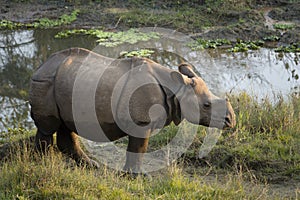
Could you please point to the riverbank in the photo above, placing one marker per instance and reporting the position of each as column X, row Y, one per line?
column 232, row 20
column 258, row 159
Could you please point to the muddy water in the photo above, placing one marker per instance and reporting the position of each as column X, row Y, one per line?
column 260, row 73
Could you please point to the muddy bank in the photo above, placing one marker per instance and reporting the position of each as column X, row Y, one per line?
column 247, row 24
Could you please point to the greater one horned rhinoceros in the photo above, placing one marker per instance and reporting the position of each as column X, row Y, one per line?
column 77, row 91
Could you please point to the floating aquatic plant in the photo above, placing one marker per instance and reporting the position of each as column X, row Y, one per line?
column 242, row 46
column 208, row 44
column 271, row 38
column 281, row 26
column 111, row 39
column 138, row 53
column 239, row 46
column 292, row 48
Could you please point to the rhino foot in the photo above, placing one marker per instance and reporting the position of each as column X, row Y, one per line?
column 89, row 163
column 135, row 175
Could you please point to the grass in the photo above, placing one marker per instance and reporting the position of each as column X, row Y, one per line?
column 261, row 150
column 28, row 176
column 265, row 140
column 15, row 134
column 41, row 23
column 185, row 19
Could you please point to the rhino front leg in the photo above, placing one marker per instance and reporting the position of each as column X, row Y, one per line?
column 135, row 153
column 43, row 141
column 69, row 144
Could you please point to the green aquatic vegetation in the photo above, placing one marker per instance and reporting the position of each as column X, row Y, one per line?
column 208, row 44
column 5, row 24
column 239, row 46
column 69, row 33
column 138, row 53
column 281, row 26
column 111, row 39
column 41, row 23
column 271, row 38
column 292, row 48
column 242, row 46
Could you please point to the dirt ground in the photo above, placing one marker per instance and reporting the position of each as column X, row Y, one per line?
column 257, row 23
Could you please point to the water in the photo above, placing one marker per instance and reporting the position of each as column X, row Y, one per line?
column 262, row 73
column 21, row 52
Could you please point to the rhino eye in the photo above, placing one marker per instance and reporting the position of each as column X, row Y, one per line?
column 207, row 104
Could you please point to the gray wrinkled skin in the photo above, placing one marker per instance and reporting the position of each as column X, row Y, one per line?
column 132, row 97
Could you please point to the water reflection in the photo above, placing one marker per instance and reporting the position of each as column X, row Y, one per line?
column 21, row 52
column 260, row 73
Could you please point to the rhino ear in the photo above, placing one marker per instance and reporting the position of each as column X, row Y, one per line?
column 177, row 77
column 187, row 70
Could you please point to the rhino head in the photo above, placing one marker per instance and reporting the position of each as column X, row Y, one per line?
column 198, row 104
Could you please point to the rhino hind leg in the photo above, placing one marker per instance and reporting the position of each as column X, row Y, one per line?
column 46, row 127
column 43, row 141
column 69, row 144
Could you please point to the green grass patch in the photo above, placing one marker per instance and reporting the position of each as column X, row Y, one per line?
column 264, row 147
column 41, row 23
column 182, row 19
column 29, row 176
column 14, row 134
column 265, row 139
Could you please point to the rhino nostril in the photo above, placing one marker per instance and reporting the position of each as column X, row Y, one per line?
column 227, row 119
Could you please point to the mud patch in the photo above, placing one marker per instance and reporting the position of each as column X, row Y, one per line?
column 245, row 25
column 287, row 13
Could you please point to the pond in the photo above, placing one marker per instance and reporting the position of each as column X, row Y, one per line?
column 261, row 73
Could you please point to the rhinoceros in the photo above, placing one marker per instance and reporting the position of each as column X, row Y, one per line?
column 79, row 92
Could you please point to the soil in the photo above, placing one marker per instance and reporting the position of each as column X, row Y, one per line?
column 256, row 23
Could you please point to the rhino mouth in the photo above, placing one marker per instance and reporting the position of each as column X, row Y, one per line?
column 217, row 123
column 228, row 123
column 221, row 124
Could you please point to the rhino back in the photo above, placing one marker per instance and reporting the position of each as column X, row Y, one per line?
column 77, row 81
